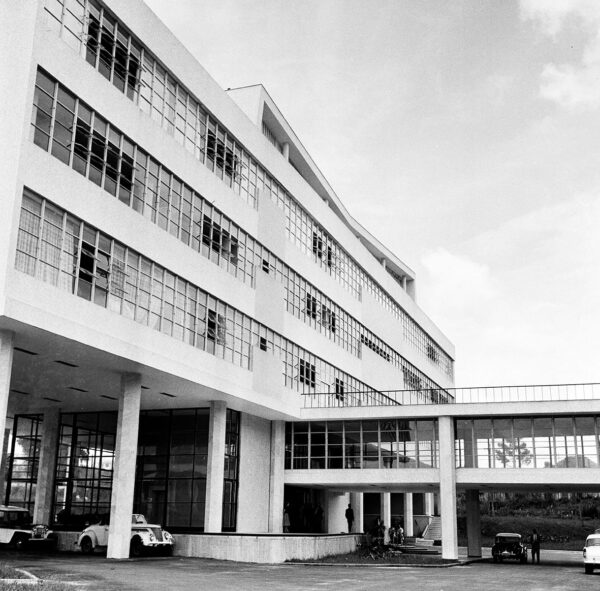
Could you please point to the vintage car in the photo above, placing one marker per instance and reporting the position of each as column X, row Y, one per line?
column 144, row 537
column 509, row 545
column 591, row 553
column 17, row 531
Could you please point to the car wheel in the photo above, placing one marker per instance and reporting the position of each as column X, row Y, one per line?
column 589, row 569
column 19, row 542
column 136, row 547
column 86, row 546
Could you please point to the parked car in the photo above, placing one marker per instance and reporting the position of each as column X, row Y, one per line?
column 591, row 553
column 17, row 531
column 509, row 545
column 144, row 536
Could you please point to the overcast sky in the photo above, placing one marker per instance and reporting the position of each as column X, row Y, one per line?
column 465, row 135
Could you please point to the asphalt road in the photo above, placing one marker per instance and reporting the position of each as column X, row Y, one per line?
column 558, row 571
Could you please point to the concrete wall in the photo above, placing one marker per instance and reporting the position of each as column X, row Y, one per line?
column 253, row 492
column 264, row 549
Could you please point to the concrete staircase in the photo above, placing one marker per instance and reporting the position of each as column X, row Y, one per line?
column 433, row 532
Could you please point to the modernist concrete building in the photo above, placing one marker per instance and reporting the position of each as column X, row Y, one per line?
column 193, row 326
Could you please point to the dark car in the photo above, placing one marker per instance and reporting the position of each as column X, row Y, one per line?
column 508, row 545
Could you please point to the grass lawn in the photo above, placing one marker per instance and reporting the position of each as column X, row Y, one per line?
column 361, row 558
column 557, row 533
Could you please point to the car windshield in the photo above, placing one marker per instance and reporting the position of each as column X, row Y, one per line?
column 508, row 539
column 593, row 542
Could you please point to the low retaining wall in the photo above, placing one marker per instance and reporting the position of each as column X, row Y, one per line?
column 67, row 541
column 259, row 548
column 267, row 549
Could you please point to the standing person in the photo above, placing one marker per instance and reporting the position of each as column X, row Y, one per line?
column 286, row 519
column 318, row 518
column 535, row 546
column 350, row 517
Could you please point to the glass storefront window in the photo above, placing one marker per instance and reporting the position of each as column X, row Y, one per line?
column 391, row 443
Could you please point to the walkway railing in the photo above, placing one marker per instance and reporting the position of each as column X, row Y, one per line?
column 485, row 394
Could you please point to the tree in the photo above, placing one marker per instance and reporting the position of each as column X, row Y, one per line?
column 513, row 452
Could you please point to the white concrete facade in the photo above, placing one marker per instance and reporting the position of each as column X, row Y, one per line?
column 62, row 354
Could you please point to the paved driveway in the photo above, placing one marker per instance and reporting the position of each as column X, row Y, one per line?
column 559, row 571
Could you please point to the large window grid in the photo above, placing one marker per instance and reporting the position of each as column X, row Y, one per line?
column 84, row 467
column 24, row 460
column 384, row 443
column 171, row 467
column 141, row 290
column 528, row 442
column 231, row 471
column 124, row 169
column 171, row 106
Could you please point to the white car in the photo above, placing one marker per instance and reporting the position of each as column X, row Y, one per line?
column 144, row 536
column 591, row 553
column 17, row 531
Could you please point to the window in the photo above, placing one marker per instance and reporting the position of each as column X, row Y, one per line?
column 432, row 353
column 222, row 153
column 311, row 306
column 230, row 480
column 322, row 249
column 23, row 462
column 307, row 373
column 262, row 343
column 411, row 380
column 219, row 240
column 215, row 328
column 339, row 389
column 374, row 347
column 317, row 245
column 328, row 318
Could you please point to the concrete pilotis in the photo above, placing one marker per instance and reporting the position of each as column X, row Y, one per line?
column 429, row 504
column 356, row 500
column 409, row 529
column 4, row 460
column 386, row 512
column 276, row 477
column 44, row 488
column 213, row 515
column 448, row 488
column 121, row 506
column 6, row 361
column 335, row 512
column 473, row 523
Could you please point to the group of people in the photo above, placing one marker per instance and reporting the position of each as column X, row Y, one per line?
column 312, row 517
column 309, row 518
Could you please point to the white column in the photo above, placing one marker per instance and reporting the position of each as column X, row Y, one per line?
column 448, row 488
column 121, row 503
column 473, row 523
column 213, row 514
column 356, row 500
column 6, row 361
column 409, row 528
column 429, row 504
column 386, row 513
column 44, row 488
column 276, row 477
column 335, row 512
column 4, row 461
